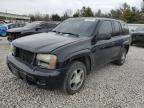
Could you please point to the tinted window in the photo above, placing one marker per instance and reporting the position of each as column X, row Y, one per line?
column 33, row 24
column 105, row 28
column 82, row 27
column 11, row 26
column 125, row 28
column 117, row 28
column 52, row 25
column 44, row 26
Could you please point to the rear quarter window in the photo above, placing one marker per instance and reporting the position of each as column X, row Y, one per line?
column 117, row 29
column 125, row 29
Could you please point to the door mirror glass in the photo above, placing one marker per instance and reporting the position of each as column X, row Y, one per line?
column 104, row 37
column 105, row 31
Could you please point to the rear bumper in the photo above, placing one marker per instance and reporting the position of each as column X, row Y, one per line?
column 34, row 75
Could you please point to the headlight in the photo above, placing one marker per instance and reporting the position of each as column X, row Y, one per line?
column 11, row 47
column 47, row 61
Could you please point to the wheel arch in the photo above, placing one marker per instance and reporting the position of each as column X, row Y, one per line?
column 84, row 57
column 127, row 48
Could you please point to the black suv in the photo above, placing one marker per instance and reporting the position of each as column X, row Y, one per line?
column 138, row 36
column 63, row 57
column 29, row 29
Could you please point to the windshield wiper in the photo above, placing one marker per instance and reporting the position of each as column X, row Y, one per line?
column 55, row 31
column 77, row 35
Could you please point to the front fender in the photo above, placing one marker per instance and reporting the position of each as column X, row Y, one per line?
column 78, row 54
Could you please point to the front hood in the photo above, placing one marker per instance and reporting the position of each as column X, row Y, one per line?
column 20, row 29
column 43, row 42
column 138, row 32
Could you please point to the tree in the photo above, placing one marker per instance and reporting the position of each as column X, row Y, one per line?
column 36, row 17
column 98, row 13
column 86, row 12
column 46, row 17
column 67, row 14
column 128, row 14
column 77, row 14
column 115, row 13
column 55, row 17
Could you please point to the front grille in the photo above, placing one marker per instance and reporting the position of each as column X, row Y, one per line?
column 25, row 56
column 14, row 33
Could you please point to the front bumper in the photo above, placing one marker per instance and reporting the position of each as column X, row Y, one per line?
column 35, row 75
column 138, row 39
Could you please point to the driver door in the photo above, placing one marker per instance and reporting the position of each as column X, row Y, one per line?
column 103, row 49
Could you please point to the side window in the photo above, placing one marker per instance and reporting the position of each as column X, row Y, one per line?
column 10, row 26
column 43, row 26
column 105, row 28
column 117, row 28
column 51, row 26
column 125, row 29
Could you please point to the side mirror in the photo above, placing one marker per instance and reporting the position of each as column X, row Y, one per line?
column 103, row 37
column 132, row 30
column 38, row 28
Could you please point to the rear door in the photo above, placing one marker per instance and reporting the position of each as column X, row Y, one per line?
column 117, row 38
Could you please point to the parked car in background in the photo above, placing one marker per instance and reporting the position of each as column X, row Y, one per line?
column 14, row 25
column 3, row 30
column 138, row 36
column 5, row 27
column 32, row 28
column 63, row 57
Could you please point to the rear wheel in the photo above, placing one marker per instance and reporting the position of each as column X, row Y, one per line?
column 122, row 58
column 75, row 78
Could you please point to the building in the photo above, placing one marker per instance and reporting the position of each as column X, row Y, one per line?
column 13, row 17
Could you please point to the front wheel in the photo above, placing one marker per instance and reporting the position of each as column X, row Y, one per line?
column 75, row 78
column 122, row 58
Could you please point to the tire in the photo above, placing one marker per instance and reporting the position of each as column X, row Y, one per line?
column 122, row 58
column 75, row 78
column 10, row 38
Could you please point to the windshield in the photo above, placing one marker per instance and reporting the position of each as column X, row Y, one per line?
column 81, row 27
column 33, row 24
column 140, row 29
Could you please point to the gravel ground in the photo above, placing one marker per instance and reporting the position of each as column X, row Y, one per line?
column 110, row 87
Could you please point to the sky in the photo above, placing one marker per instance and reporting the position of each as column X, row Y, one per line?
column 59, row 6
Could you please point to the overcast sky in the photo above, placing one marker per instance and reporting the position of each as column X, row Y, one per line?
column 59, row 6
